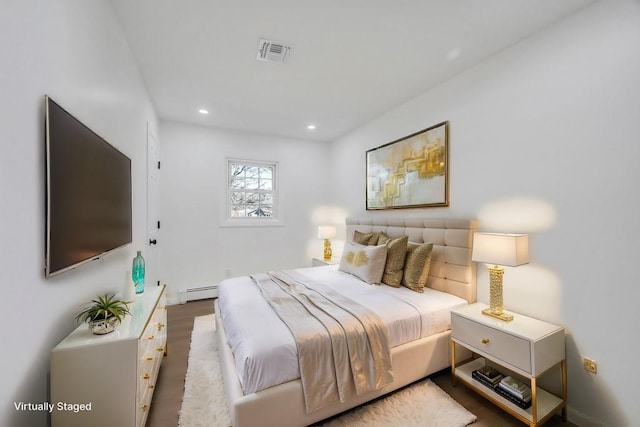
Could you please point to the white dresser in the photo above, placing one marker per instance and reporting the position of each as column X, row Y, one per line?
column 109, row 380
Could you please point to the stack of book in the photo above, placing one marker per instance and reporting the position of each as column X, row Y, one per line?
column 515, row 391
column 488, row 375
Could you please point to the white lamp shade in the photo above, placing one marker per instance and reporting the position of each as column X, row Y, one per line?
column 501, row 249
column 326, row 232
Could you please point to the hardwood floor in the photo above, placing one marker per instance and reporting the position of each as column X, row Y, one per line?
column 167, row 397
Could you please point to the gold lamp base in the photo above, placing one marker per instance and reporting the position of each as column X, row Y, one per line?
column 495, row 295
column 502, row 316
column 327, row 250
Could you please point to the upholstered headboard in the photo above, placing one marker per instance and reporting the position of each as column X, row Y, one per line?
column 452, row 270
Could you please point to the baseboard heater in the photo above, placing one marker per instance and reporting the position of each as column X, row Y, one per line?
column 192, row 294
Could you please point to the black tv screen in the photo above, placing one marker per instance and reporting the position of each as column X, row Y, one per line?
column 88, row 193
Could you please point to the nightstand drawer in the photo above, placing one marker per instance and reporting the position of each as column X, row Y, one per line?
column 498, row 344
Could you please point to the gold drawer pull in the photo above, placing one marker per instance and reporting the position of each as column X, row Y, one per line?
column 149, row 358
column 485, row 340
column 144, row 408
column 146, row 376
column 160, row 349
column 151, row 337
column 160, row 326
column 150, row 386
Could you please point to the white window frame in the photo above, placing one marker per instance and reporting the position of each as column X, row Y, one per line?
column 252, row 221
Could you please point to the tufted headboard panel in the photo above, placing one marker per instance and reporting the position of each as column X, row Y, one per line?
column 452, row 270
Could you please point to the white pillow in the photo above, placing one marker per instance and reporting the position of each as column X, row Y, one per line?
column 365, row 262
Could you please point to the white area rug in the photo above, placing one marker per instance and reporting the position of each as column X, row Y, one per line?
column 203, row 402
column 423, row 404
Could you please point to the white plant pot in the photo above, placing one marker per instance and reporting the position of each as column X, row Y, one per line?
column 102, row 327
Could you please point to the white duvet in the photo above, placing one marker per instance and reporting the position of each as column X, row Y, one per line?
column 265, row 350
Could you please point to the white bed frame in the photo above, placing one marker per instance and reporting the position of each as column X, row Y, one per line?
column 451, row 271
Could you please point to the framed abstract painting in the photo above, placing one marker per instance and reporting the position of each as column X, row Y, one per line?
column 410, row 172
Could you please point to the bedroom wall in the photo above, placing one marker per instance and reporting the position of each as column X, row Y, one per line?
column 194, row 250
column 73, row 51
column 544, row 140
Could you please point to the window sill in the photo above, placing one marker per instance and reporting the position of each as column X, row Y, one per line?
column 252, row 222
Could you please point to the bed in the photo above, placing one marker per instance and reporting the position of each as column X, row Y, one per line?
column 270, row 392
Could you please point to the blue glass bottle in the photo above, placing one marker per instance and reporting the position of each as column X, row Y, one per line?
column 137, row 273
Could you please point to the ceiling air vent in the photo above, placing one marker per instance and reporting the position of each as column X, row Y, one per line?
column 271, row 51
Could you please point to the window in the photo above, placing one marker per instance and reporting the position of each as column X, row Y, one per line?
column 252, row 193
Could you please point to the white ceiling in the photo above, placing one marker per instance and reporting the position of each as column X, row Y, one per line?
column 351, row 60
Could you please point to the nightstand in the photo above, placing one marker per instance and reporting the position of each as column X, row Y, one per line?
column 525, row 348
column 316, row 262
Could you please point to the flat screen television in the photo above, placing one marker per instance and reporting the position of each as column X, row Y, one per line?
column 88, row 193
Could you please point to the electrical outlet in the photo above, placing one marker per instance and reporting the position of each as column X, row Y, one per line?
column 590, row 365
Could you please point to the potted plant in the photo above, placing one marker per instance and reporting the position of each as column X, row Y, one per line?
column 103, row 314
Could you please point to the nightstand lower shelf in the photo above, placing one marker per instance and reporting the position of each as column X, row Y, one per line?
column 547, row 403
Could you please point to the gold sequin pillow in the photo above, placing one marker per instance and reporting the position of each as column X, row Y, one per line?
column 396, row 254
column 365, row 238
column 364, row 262
column 416, row 266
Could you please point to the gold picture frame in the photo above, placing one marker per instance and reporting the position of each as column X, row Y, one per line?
column 411, row 172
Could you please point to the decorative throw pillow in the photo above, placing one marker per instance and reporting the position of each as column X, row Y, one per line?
column 368, row 239
column 396, row 254
column 364, row 262
column 416, row 267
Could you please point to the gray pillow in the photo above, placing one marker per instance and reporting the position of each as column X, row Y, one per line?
column 365, row 238
column 416, row 267
column 396, row 254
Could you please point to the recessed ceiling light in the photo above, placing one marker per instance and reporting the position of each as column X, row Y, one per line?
column 203, row 111
column 311, row 127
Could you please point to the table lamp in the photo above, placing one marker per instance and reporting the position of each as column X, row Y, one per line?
column 500, row 250
column 327, row 232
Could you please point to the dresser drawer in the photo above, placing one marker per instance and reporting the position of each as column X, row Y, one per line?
column 497, row 344
column 145, row 375
column 151, row 348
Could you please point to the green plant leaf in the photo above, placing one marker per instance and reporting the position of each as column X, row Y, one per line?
column 104, row 306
